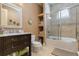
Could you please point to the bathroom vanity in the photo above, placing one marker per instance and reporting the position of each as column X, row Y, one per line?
column 10, row 43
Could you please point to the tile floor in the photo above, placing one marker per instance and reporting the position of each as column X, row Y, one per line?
column 45, row 51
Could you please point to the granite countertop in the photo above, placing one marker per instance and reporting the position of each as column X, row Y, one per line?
column 12, row 34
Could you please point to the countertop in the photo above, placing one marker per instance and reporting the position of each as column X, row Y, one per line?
column 13, row 34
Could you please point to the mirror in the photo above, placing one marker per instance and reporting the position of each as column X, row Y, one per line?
column 11, row 15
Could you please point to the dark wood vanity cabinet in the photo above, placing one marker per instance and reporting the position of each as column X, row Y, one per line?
column 10, row 44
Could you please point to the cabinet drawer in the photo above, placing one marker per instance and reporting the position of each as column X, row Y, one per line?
column 18, row 38
column 15, row 39
column 25, row 37
column 17, row 43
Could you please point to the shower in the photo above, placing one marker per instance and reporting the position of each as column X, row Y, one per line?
column 62, row 25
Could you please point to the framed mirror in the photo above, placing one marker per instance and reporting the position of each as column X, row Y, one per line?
column 11, row 15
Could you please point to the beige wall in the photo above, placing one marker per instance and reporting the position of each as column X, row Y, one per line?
column 30, row 11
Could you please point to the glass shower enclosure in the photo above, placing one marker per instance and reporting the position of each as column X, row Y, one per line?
column 64, row 24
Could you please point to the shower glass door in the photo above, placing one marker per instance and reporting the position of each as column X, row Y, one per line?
column 68, row 23
column 55, row 25
column 65, row 27
column 68, row 29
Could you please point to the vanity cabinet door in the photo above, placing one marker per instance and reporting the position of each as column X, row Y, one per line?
column 7, row 45
column 1, row 46
column 7, row 40
column 19, row 42
column 26, row 39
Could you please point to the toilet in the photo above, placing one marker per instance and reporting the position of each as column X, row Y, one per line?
column 36, row 46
